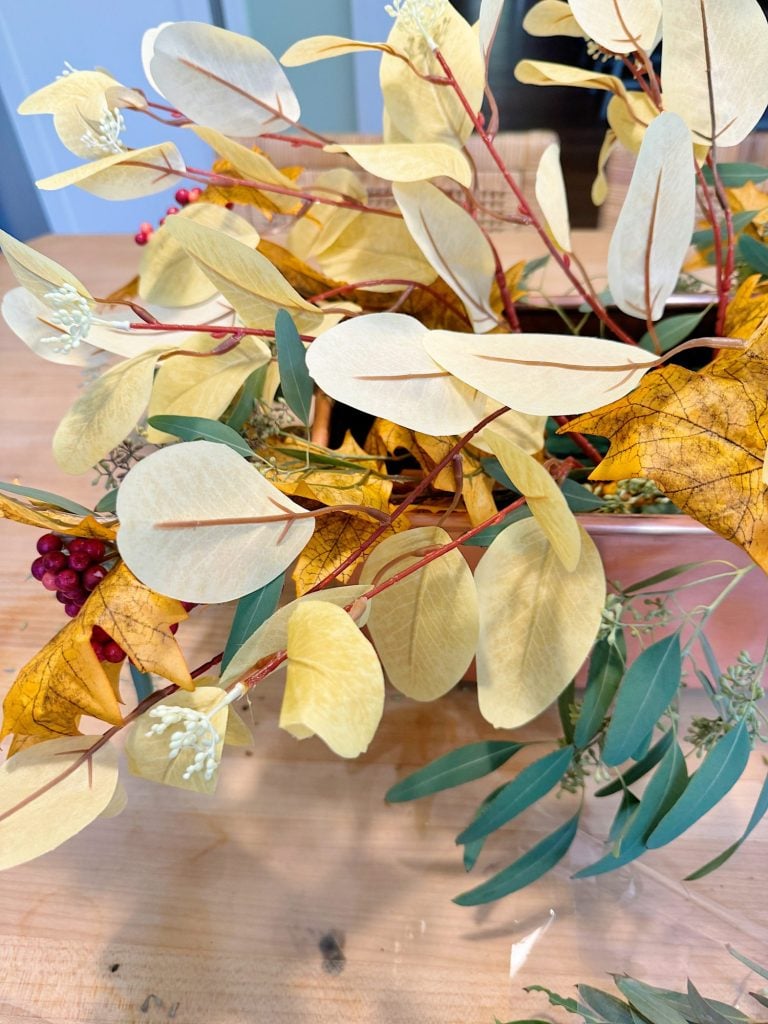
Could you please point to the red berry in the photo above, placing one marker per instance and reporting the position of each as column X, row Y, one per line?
column 188, row 605
column 48, row 579
column 182, row 196
column 146, row 227
column 48, row 542
column 55, row 561
column 79, row 560
column 230, row 206
column 77, row 596
column 67, row 580
column 113, row 652
column 161, row 221
column 141, row 238
column 72, row 609
column 194, row 194
column 100, row 635
column 98, row 649
column 37, row 568
column 62, row 597
column 78, row 544
column 173, row 627
column 95, row 548
column 93, row 576
column 171, row 210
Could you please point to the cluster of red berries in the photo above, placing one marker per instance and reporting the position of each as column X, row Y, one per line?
column 72, row 567
column 183, row 197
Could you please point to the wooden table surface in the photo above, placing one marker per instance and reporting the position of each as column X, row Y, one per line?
column 218, row 910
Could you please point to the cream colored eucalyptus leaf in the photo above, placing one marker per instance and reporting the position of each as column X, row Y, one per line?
column 537, row 622
column 523, row 429
column 600, row 186
column 128, row 175
column 620, row 26
column 629, row 117
column 454, row 244
column 425, row 627
column 37, row 273
column 220, row 79
column 104, row 414
column 552, row 18
column 488, row 24
column 117, row 804
column 314, row 48
column 375, row 248
column 541, row 374
column 62, row 811
column 334, row 685
column 202, row 480
column 272, row 635
column 378, row 364
column 148, row 754
column 256, row 289
column 543, row 72
column 653, row 232
column 734, row 48
column 23, row 312
column 551, row 196
column 168, row 276
column 408, row 161
column 418, row 110
column 190, row 386
column 321, row 224
column 544, row 498
column 251, row 165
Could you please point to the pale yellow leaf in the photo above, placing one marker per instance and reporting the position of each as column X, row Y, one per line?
column 735, row 50
column 454, row 244
column 537, row 622
column 600, row 185
column 190, row 386
column 104, row 414
column 543, row 72
column 551, row 197
column 129, row 175
column 37, row 273
column 552, row 18
column 321, row 224
column 205, row 564
column 26, row 316
column 307, row 51
column 256, row 289
column 488, row 24
column 117, row 804
column 541, row 374
column 425, row 627
column 220, row 79
column 653, row 232
column 272, row 636
column 629, row 117
column 63, row 810
column 378, row 364
column 620, row 26
column 544, row 498
column 408, row 161
column 168, row 275
column 523, row 429
column 419, row 111
column 334, row 685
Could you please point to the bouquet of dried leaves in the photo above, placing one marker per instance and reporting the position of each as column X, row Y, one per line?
column 218, row 369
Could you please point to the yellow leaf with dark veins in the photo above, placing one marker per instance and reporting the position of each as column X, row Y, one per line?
column 46, row 517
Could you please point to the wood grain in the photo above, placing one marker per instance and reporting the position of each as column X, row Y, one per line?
column 297, row 894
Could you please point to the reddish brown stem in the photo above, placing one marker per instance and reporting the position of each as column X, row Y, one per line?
column 216, row 332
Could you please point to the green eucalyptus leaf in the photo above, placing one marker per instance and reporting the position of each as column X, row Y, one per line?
column 252, row 611
column 760, row 997
column 198, row 428
column 680, row 1002
column 454, row 769
column 734, row 175
column 637, row 771
column 648, row 687
column 532, row 266
column 580, row 498
column 626, row 809
column 754, row 253
column 295, row 382
column 662, row 577
column 672, row 330
column 642, row 747
column 565, row 704
column 719, row 772
column 709, row 654
column 526, row 869
column 605, row 1005
column 108, row 502
column 555, row 999
column 142, row 682
column 751, row 964
column 757, row 815
column 473, row 850
column 649, row 1002
column 606, row 668
column 525, row 789
column 50, row 499
column 705, row 238
column 495, row 470
column 486, row 537
column 703, row 1008
column 244, row 406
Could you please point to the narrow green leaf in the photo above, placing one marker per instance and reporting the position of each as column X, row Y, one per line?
column 720, row 770
column 753, row 965
column 734, row 175
column 760, row 998
column 295, row 382
column 757, row 815
column 530, row 785
column 565, row 705
column 605, row 1005
column 526, row 869
column 198, row 428
column 642, row 747
column 754, row 253
column 142, row 682
column 661, row 577
column 473, row 850
column 486, row 537
column 532, row 266
column 555, row 999
column 637, row 771
column 648, row 1001
column 108, row 503
column 580, row 498
column 252, row 611
column 454, row 769
column 244, row 405
column 648, row 687
column 606, row 668
column 705, row 1011
column 626, row 809
column 672, row 330
column 50, row 499
column 709, row 654
column 680, row 1002
column 495, row 470
column 705, row 238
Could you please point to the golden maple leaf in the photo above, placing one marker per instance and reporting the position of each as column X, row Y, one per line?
column 747, row 309
column 702, row 437
column 65, row 680
column 48, row 517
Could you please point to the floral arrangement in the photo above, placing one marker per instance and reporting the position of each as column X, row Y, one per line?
column 216, row 374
